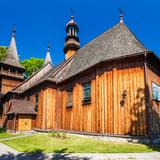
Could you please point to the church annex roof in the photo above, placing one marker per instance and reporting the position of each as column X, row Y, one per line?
column 116, row 42
column 46, row 72
column 35, row 78
column 21, row 107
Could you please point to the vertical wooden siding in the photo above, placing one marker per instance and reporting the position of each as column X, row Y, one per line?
column 46, row 116
column 105, row 114
column 8, row 85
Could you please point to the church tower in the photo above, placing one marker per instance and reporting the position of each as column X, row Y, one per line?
column 71, row 41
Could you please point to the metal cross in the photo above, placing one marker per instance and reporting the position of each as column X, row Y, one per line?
column 72, row 11
column 14, row 28
column 121, row 11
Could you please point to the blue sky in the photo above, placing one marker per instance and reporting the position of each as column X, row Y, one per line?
column 38, row 21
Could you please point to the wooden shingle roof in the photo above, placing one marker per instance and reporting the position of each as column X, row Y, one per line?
column 12, row 58
column 116, row 42
column 40, row 75
column 21, row 107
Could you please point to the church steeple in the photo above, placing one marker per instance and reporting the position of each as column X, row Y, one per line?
column 71, row 41
column 12, row 54
column 48, row 55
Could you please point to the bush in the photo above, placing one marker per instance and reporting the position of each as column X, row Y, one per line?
column 2, row 130
column 56, row 134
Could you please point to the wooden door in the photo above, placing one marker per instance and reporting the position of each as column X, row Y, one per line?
column 25, row 123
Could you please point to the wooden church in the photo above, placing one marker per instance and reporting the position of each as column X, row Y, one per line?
column 109, row 86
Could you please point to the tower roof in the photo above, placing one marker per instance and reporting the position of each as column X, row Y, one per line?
column 72, row 23
column 12, row 54
column 48, row 55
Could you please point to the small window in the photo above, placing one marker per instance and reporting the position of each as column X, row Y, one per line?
column 87, row 92
column 70, row 98
column 36, row 102
column 156, row 91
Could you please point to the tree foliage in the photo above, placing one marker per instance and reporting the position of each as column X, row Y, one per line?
column 32, row 65
column 3, row 53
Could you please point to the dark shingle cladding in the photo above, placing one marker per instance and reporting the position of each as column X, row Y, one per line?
column 117, row 42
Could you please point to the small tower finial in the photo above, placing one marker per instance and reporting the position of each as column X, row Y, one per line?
column 13, row 30
column 48, row 55
column 121, row 15
column 72, row 12
column 49, row 46
column 72, row 40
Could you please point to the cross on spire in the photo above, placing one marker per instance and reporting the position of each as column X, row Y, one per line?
column 13, row 30
column 48, row 55
column 121, row 14
column 72, row 11
column 49, row 46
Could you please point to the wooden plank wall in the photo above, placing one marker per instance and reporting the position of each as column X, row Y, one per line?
column 45, row 118
column 153, row 75
column 50, row 108
column 111, row 85
column 8, row 85
column 10, row 125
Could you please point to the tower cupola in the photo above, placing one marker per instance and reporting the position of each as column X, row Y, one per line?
column 71, row 41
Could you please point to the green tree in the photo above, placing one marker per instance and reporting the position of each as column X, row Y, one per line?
column 3, row 53
column 32, row 65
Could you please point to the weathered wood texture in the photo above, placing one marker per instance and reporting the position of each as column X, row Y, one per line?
column 8, row 84
column 153, row 75
column 46, row 116
column 11, row 124
column 117, row 100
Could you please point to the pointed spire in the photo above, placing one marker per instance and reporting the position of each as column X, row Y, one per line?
column 48, row 55
column 12, row 54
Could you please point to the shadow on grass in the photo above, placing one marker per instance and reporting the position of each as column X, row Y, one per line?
column 38, row 154
column 2, row 130
column 154, row 147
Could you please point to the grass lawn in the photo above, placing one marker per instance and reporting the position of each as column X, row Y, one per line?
column 4, row 134
column 74, row 144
